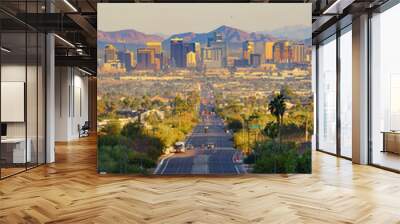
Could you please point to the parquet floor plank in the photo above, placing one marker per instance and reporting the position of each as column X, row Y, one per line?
column 70, row 191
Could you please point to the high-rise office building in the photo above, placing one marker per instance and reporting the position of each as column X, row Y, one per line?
column 277, row 49
column 155, row 45
column 179, row 50
column 158, row 57
column 212, row 57
column 110, row 54
column 197, row 47
column 287, row 52
column 177, row 53
column 269, row 51
column 146, row 58
column 248, row 49
column 188, row 47
column 221, row 44
column 298, row 53
column 191, row 60
column 126, row 58
column 283, row 52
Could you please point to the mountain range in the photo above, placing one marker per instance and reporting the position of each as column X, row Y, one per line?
column 127, row 36
column 231, row 35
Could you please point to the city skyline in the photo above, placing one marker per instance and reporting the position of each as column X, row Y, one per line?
column 203, row 98
column 235, row 15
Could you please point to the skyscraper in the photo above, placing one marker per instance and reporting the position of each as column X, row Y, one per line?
column 158, row 57
column 283, row 52
column 220, row 43
column 191, row 59
column 248, row 48
column 212, row 57
column 269, row 51
column 177, row 53
column 110, row 54
column 188, row 47
column 155, row 45
column 146, row 58
column 127, row 59
column 287, row 52
column 298, row 53
column 197, row 48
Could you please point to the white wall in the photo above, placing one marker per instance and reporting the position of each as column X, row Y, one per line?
column 33, row 126
column 14, row 73
column 71, row 103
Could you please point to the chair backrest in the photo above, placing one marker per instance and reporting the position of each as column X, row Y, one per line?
column 86, row 125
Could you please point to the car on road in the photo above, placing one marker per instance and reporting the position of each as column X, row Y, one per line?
column 189, row 147
column 210, row 146
column 179, row 147
column 205, row 129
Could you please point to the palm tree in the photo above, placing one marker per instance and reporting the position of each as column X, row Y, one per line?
column 277, row 107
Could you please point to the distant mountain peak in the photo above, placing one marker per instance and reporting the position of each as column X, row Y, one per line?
column 225, row 28
column 230, row 34
column 128, row 36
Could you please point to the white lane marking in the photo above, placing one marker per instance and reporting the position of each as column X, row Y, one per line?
column 165, row 167
column 161, row 162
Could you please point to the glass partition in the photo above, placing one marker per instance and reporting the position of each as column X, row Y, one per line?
column 13, row 94
column 22, row 88
column 31, row 98
column 327, row 96
column 346, row 93
column 385, row 89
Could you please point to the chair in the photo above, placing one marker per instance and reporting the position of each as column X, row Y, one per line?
column 84, row 130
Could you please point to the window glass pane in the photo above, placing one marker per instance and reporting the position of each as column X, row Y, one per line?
column 41, row 98
column 314, row 89
column 13, row 86
column 327, row 96
column 31, row 98
column 385, row 84
column 346, row 94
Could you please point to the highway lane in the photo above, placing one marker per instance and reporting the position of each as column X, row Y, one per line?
column 202, row 159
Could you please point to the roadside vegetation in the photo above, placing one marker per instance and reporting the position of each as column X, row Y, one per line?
column 275, row 135
column 136, row 146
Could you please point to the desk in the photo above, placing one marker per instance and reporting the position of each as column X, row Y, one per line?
column 391, row 141
column 15, row 148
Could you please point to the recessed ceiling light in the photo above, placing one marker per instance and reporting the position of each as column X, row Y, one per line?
column 333, row 6
column 86, row 72
column 5, row 50
column 70, row 5
column 64, row 40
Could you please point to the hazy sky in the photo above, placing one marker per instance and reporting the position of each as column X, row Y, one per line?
column 167, row 18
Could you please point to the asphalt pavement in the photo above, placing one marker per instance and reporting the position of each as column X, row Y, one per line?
column 213, row 151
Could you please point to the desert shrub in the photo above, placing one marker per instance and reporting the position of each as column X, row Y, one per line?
column 113, row 127
column 235, row 125
column 141, row 160
column 281, row 158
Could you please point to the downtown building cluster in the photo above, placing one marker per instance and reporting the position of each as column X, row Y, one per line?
column 214, row 54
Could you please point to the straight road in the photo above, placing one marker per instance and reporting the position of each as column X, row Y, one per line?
column 204, row 159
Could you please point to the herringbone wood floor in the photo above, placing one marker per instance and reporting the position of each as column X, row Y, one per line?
column 70, row 191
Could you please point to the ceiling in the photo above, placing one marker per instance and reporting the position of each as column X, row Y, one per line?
column 76, row 20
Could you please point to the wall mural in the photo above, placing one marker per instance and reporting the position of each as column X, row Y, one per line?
column 204, row 89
